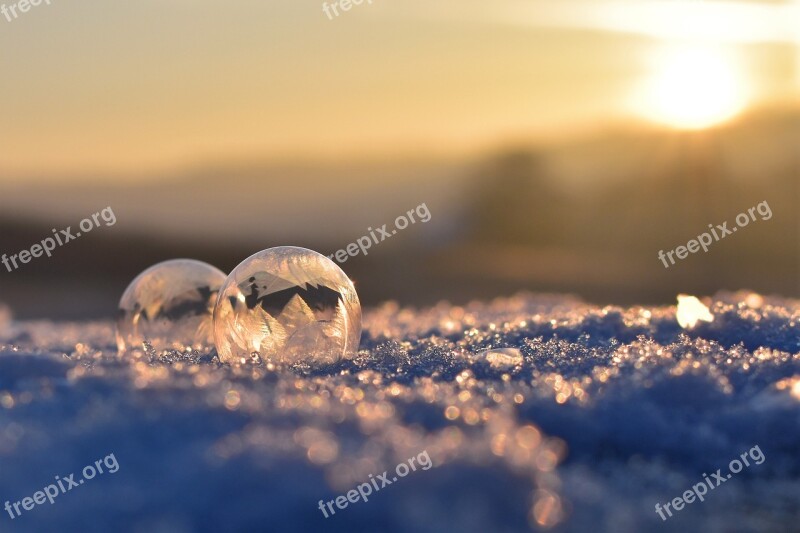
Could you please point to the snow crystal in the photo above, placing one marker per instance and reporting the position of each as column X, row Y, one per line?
column 691, row 311
column 536, row 411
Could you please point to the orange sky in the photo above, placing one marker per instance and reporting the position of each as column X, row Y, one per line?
column 116, row 86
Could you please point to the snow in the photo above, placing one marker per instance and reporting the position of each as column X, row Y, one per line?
column 536, row 410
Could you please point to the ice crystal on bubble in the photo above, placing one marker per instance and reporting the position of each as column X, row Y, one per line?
column 169, row 305
column 289, row 305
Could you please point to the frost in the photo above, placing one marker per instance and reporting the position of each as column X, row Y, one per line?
column 535, row 411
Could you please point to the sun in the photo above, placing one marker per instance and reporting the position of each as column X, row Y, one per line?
column 692, row 87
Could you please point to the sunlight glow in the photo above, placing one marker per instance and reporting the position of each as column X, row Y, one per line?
column 720, row 21
column 692, row 87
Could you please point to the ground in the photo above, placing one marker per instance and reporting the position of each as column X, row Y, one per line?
column 535, row 412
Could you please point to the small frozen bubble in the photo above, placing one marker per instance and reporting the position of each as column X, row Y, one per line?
column 169, row 305
column 289, row 305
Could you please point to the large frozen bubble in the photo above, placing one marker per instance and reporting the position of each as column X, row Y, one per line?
column 289, row 305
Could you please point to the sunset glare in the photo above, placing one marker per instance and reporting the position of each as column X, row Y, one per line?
column 693, row 87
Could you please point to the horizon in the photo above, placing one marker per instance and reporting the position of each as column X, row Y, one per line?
column 619, row 132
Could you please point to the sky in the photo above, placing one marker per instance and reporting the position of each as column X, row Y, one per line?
column 134, row 88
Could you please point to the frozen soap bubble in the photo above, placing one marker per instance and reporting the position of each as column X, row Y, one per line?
column 289, row 305
column 169, row 305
